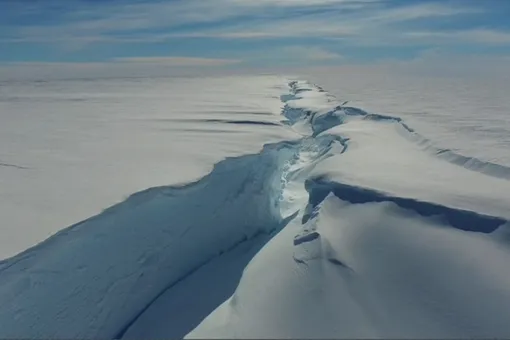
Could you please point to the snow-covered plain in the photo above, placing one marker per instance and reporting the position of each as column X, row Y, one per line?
column 70, row 148
column 324, row 220
column 467, row 112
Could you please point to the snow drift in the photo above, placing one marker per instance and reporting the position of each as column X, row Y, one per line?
column 356, row 228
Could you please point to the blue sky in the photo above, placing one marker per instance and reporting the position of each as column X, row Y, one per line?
column 249, row 32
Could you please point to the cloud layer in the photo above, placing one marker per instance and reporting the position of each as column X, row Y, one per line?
column 224, row 32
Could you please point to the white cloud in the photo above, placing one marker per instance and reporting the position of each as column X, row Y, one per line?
column 293, row 55
column 481, row 36
column 302, row 3
column 160, row 14
column 266, row 19
column 310, row 53
column 420, row 11
column 365, row 26
column 282, row 29
column 350, row 23
column 372, row 26
column 179, row 61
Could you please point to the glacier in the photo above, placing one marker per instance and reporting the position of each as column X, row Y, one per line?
column 347, row 224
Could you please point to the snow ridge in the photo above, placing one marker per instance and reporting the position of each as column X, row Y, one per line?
column 331, row 114
column 325, row 117
column 319, row 188
column 470, row 163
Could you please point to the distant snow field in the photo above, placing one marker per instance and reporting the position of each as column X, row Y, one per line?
column 259, row 207
column 69, row 149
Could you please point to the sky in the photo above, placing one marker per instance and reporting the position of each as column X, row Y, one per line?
column 250, row 33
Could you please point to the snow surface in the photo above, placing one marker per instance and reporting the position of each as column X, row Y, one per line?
column 70, row 148
column 348, row 224
column 392, row 244
column 467, row 113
